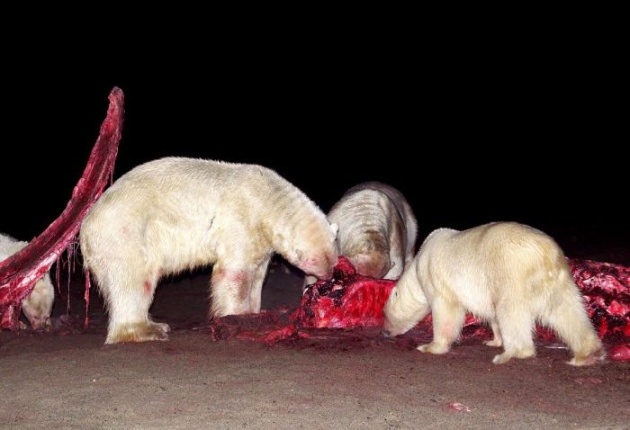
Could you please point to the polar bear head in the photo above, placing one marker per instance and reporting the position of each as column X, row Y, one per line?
column 312, row 248
column 37, row 306
column 369, row 255
column 406, row 305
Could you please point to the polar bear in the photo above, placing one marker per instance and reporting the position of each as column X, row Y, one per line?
column 175, row 213
column 506, row 273
column 37, row 305
column 377, row 230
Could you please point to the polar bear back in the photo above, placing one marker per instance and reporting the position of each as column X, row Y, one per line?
column 196, row 184
column 190, row 212
column 490, row 263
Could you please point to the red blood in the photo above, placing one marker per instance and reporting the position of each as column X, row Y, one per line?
column 588, row 380
column 457, row 407
column 147, row 288
column 19, row 272
column 606, row 290
column 619, row 352
column 348, row 300
column 353, row 301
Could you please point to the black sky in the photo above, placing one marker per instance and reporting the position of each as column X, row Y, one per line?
column 469, row 135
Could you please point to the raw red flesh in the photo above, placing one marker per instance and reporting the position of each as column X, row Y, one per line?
column 19, row 272
column 606, row 290
column 350, row 301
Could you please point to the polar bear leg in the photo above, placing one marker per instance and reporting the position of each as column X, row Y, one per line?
column 497, row 340
column 128, row 308
column 516, row 326
column 572, row 324
column 255, row 293
column 448, row 321
column 231, row 290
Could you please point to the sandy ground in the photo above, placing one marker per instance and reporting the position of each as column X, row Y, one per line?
column 332, row 379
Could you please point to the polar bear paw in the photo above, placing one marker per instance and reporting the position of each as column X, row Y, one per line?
column 138, row 332
column 588, row 359
column 524, row 352
column 434, row 348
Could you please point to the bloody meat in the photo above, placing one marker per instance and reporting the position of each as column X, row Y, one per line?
column 352, row 301
column 19, row 272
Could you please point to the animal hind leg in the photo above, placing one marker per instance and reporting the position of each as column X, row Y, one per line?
column 128, row 300
column 573, row 326
column 516, row 326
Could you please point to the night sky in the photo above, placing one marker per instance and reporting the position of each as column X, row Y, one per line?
column 467, row 138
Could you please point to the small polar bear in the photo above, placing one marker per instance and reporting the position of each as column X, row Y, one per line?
column 37, row 305
column 175, row 213
column 377, row 230
column 508, row 274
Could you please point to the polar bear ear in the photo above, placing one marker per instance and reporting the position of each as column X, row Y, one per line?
column 335, row 229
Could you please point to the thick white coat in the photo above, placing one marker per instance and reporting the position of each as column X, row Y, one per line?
column 511, row 275
column 377, row 230
column 37, row 305
column 174, row 214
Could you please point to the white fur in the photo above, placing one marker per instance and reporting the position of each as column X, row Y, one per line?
column 377, row 230
column 37, row 305
column 174, row 214
column 508, row 274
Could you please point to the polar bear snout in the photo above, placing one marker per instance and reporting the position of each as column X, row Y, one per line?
column 389, row 329
column 39, row 324
column 324, row 273
column 317, row 263
column 321, row 267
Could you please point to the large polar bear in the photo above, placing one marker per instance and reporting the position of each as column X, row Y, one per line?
column 377, row 230
column 508, row 274
column 37, row 306
column 176, row 213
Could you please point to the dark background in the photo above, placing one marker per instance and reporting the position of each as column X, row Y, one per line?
column 472, row 129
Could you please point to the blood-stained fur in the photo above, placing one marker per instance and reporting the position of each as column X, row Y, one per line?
column 511, row 275
column 174, row 214
column 377, row 230
column 37, row 306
